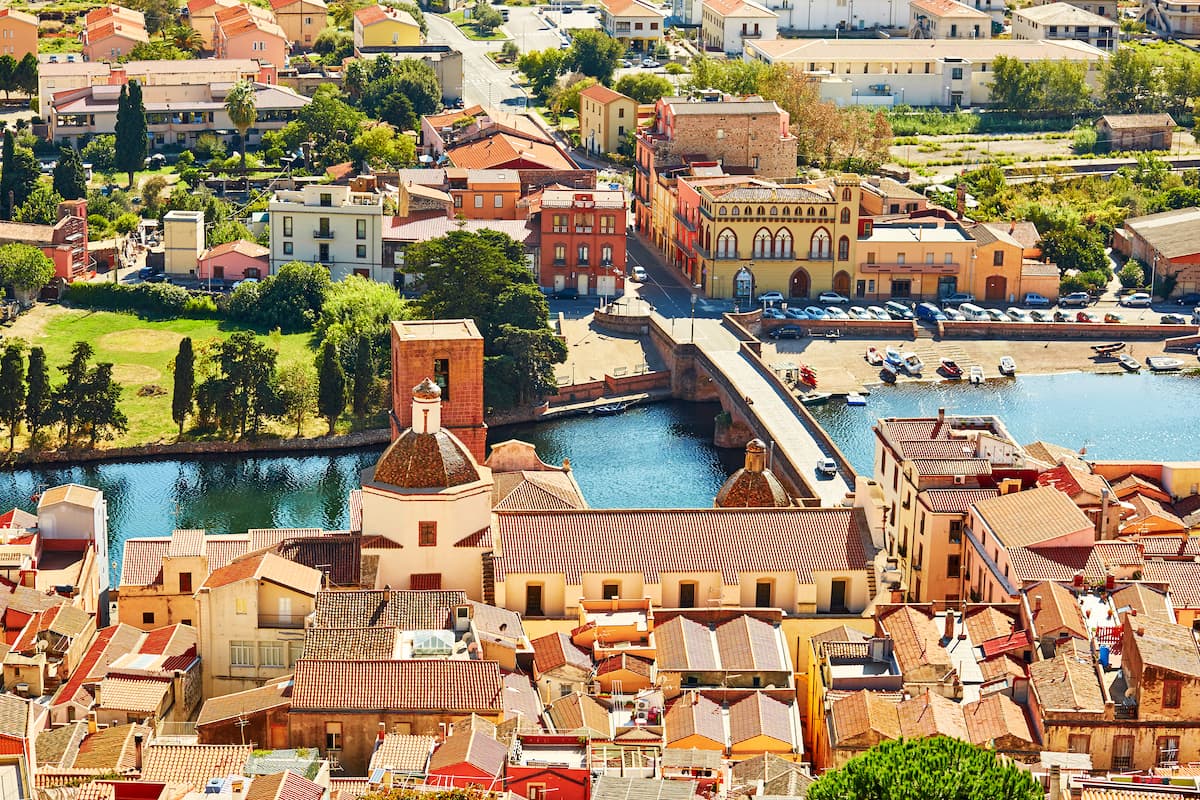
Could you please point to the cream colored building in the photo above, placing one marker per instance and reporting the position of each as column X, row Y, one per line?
column 54, row 78
column 183, row 241
column 1103, row 8
column 202, row 17
column 1065, row 21
column 251, row 620
column 634, row 24
column 730, row 24
column 340, row 227
column 1172, row 17
column 947, row 19
column 605, row 119
column 302, row 20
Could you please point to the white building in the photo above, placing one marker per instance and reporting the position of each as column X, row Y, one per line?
column 729, row 24
column 947, row 19
column 338, row 226
column 1105, row 8
column 635, row 25
column 831, row 15
column 996, row 9
column 1065, row 21
column 931, row 72
column 1172, row 17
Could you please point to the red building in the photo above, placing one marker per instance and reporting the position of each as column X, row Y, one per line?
column 551, row 768
column 65, row 242
column 583, row 239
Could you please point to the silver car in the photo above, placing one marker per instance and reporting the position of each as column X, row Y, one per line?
column 877, row 312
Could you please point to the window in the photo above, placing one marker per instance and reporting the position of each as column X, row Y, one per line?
column 608, row 223
column 270, row 654
column 533, row 600
column 845, row 216
column 479, row 201
column 241, row 654
column 360, row 229
column 1168, row 751
column 147, row 617
column 323, row 253
column 762, row 244
column 621, row 113
column 185, row 582
column 1122, row 749
column 536, row 791
column 287, row 248
column 323, row 227
column 843, row 249
column 819, row 247
column 427, row 534
column 441, row 376
column 287, row 226
column 326, row 199
column 687, row 594
column 584, row 255
column 956, row 74
column 497, row 201
column 953, row 566
column 606, row 254
column 611, row 591
column 333, row 736
column 1172, row 691
column 956, row 531
column 295, row 651
column 846, row 195
column 727, row 244
column 560, row 255
column 239, row 605
column 783, row 243
column 458, row 201
column 998, row 258
column 900, row 258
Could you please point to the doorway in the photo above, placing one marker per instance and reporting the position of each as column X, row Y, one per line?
column 800, row 284
column 837, row 596
column 583, row 283
column 860, row 288
column 687, row 595
column 533, row 600
column 841, row 283
column 762, row 594
column 996, row 288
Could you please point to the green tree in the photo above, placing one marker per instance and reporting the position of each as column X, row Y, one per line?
column 290, row 300
column 229, row 230
column 41, row 207
column 364, row 378
column 186, row 38
column 247, row 370
column 241, row 104
column 326, row 122
column 542, row 68
column 26, row 268
column 410, row 77
column 381, row 147
column 334, row 45
column 12, row 389
column 184, row 394
column 69, row 178
column 157, row 50
column 8, row 71
column 69, row 396
column 644, row 87
column 100, row 412
column 1131, row 83
column 295, row 386
column 486, row 18
column 1075, row 247
column 525, row 358
column 160, row 14
column 101, row 153
column 935, row 767
column 131, row 142
column 596, row 54
column 19, row 175
column 331, row 390
column 359, row 308
column 25, row 75
column 732, row 77
column 38, row 393
column 568, row 99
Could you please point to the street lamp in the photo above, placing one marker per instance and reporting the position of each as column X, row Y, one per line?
column 693, row 336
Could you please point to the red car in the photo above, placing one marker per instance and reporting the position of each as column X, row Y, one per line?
column 1084, row 316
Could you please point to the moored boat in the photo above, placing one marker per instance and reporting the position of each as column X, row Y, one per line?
column 608, row 409
column 887, row 372
column 976, row 374
column 855, row 399
column 913, row 364
column 1129, row 362
column 1008, row 366
column 1164, row 364
column 950, row 369
column 815, row 399
column 874, row 357
column 893, row 357
column 1108, row 349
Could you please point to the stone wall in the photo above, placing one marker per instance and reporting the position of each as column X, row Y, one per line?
column 1099, row 331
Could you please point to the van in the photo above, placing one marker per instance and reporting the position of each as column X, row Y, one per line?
column 974, row 313
column 504, row 14
column 930, row 313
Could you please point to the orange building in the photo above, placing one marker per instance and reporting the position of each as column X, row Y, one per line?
column 18, row 33
column 249, row 32
column 583, row 239
column 110, row 32
column 486, row 193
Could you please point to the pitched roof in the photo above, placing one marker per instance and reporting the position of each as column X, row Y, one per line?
column 738, row 8
column 416, row 685
column 1032, row 516
column 275, row 694
column 141, row 563
column 138, row 694
column 404, row 753
column 239, row 246
column 1143, row 599
column 995, row 717
column 601, row 93
column 694, row 715
column 475, row 748
column 631, row 8
column 1171, row 233
column 520, row 698
column 112, row 749
column 1066, row 683
column 14, row 715
column 1073, row 482
column 1183, row 577
column 729, row 541
column 535, row 490
column 931, row 714
column 555, row 650
column 286, row 785
column 611, row 787
column 394, row 608
column 360, row 643
column 58, row 746
column 947, row 8
column 1146, row 508
column 243, row 19
column 862, row 713
column 916, row 640
column 954, row 501
column 502, row 149
column 760, row 715
column 373, row 15
column 71, row 494
column 580, row 712
column 192, row 764
column 682, row 643
column 1060, row 611
column 779, row 775
column 1116, row 121
column 626, row 662
column 749, row 643
column 266, row 567
column 1165, row 645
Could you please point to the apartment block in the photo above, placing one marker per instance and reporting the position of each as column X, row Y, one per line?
column 338, row 226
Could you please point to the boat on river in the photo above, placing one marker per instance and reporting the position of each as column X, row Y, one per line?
column 815, row 399
column 609, row 409
column 855, row 399
column 1164, row 364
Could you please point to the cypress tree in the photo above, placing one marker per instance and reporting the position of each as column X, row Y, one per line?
column 185, row 383
column 12, row 390
column 331, row 386
column 364, row 375
column 8, row 153
column 69, row 180
column 37, row 397
column 131, row 131
column 71, row 395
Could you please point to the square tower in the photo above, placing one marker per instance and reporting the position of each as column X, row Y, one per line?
column 450, row 352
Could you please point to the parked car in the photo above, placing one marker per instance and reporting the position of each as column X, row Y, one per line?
column 638, row 273
column 832, row 297
column 833, row 312
column 1062, row 316
column 626, row 63
column 878, row 313
column 567, row 294
column 1036, row 300
column 954, row 315
column 827, row 466
column 770, row 312
column 1189, row 299
column 650, row 63
column 1087, row 316
column 796, row 313
column 957, row 298
column 1041, row 316
column 858, row 312
column 1116, row 319
column 1173, row 319
column 930, row 313
column 897, row 310
column 1018, row 314
column 996, row 315
column 816, row 312
column 159, row 277
column 145, row 272
column 1137, row 300
column 770, row 297
column 244, row 280
column 787, row 332
column 1076, row 299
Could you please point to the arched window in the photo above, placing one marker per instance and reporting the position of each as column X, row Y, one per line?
column 606, row 254
column 787, row 212
column 810, row 211
column 762, row 243
column 846, row 195
column 774, row 211
column 844, row 249
column 749, row 211
column 737, row 212
column 824, row 212
column 727, row 244
column 819, row 246
column 584, row 254
column 783, row 243
column 761, row 211
column 723, row 211
column 845, row 218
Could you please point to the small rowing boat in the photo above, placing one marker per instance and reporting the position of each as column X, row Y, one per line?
column 874, row 357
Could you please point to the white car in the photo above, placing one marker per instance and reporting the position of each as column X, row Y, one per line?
column 245, row 280
column 638, row 273
column 770, row 297
column 954, row 315
column 832, row 297
column 827, row 466
column 1137, row 300
column 877, row 312
column 858, row 312
column 1018, row 315
column 650, row 63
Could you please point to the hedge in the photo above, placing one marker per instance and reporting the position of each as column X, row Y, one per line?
column 151, row 300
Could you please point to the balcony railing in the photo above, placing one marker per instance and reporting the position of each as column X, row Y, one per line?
column 322, row 234
column 280, row 621
column 919, row 269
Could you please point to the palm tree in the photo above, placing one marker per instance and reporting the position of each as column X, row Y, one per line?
column 187, row 38
column 240, row 105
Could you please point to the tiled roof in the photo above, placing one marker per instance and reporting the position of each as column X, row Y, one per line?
column 611, row 787
column 601, row 93
column 187, row 541
column 503, row 149
column 495, row 621
column 631, row 8
column 1143, row 599
column 555, row 650
column 1183, row 577
column 404, row 753
column 1003, row 665
column 953, row 466
column 930, row 714
column 192, row 764
column 1117, row 121
column 339, row 557
column 475, row 749
column 1183, row 547
column 750, row 644
column 1133, row 483
column 58, row 746
column 842, row 633
column 348, row 788
column 141, row 564
column 535, row 491
column 987, row 622
column 760, row 715
column 775, row 772
column 267, row 567
column 355, row 503
column 16, row 518
column 1146, row 508
column 1061, row 563
column 997, row 717
column 579, row 712
column 948, row 8
column 863, row 713
column 1073, row 482
column 916, row 640
column 937, row 448
column 358, row 643
column 1033, row 516
column 110, row 643
column 1049, row 453
column 239, row 246
column 684, row 644
column 954, row 501
column 1060, row 611
column 691, row 758
column 1165, row 645
column 137, row 694
column 395, row 608
column 14, row 713
column 372, row 15
column 520, row 698
column 730, row 541
column 694, row 715
column 1066, row 683
column 274, row 694
column 624, row 661
column 417, row 685
column 286, row 785
column 112, row 749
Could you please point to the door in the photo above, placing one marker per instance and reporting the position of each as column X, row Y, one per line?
column 837, row 596
column 533, row 600
column 762, row 594
column 285, row 610
column 218, row 272
column 583, row 283
column 278, row 736
column 606, row 285
column 860, row 289
column 687, row 595
column 947, row 285
column 996, row 288
column 841, row 283
column 799, row 286
column 560, row 282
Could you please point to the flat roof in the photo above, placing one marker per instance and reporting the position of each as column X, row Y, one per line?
column 437, row 329
column 917, row 234
column 883, row 50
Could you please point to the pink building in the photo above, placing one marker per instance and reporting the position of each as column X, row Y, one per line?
column 65, row 242
column 111, row 32
column 249, row 32
column 233, row 261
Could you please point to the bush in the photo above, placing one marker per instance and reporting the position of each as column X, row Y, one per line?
column 186, row 159
column 1132, row 275
column 126, row 223
column 1084, row 141
column 97, row 224
column 209, row 146
column 151, row 300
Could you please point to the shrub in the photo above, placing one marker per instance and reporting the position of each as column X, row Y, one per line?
column 1084, row 141
column 151, row 300
column 126, row 223
column 1132, row 275
column 186, row 159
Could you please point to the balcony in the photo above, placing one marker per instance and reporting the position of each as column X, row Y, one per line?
column 897, row 268
column 559, row 229
column 559, row 262
column 323, row 234
column 286, row 621
column 752, row 34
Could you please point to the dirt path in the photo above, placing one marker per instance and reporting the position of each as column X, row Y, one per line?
column 31, row 325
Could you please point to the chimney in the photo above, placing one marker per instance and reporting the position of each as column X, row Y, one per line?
column 1055, row 782
column 427, row 407
column 1104, row 501
column 1037, row 604
column 949, row 633
column 137, row 751
column 92, row 727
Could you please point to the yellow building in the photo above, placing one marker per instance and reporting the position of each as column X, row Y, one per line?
column 202, row 16
column 18, row 33
column 377, row 27
column 605, row 118
column 302, row 20
column 798, row 240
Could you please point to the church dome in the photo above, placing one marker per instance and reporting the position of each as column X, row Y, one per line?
column 435, row 460
column 427, row 390
column 753, row 486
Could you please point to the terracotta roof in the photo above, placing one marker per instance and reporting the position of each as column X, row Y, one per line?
column 372, row 15
column 141, row 563
column 1073, row 482
column 16, row 518
column 1060, row 611
column 286, row 785
column 730, row 541
column 946, row 466
column 1051, row 454
column 404, row 753
column 266, row 567
column 275, row 694
column 1031, row 517
column 1164, row 645
column 417, row 685
column 1166, row 546
column 112, row 749
column 747, row 643
column 738, row 8
column 245, row 19
column 1066, row 683
column 239, row 246
column 997, row 717
column 930, row 714
column 535, row 491
column 20, row 16
column 520, row 698
column 684, row 644
column 192, row 764
column 349, row 788
column 601, row 93
column 1132, row 484
column 631, row 8
column 475, row 749
column 779, row 775
column 954, row 501
column 760, row 715
column 1001, row 666
column 393, row 608
column 359, row 643
column 624, row 661
column 678, row 758
column 580, row 712
column 504, row 149
column 138, row 694
column 338, row 557
column 1146, row 508
column 863, row 713
column 947, row 8
column 1183, row 577
column 555, row 650
column 498, row 623
column 694, row 715
column 1143, row 599
column 842, row 633
column 278, row 5
column 436, row 460
column 916, row 640
column 58, row 746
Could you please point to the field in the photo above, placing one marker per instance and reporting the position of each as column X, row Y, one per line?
column 142, row 353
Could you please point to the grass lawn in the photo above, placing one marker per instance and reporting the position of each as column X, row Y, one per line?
column 120, row 178
column 142, row 353
column 470, row 31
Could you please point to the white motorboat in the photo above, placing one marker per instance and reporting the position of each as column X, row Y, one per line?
column 976, row 374
column 1008, row 366
column 893, row 357
column 913, row 364
column 874, row 356
column 1163, row 364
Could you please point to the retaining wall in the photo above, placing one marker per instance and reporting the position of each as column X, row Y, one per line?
column 1057, row 330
